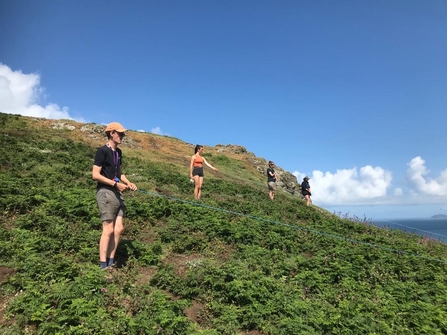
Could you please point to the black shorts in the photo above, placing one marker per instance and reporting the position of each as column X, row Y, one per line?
column 197, row 171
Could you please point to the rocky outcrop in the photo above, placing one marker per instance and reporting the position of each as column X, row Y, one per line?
column 93, row 131
column 62, row 125
column 286, row 181
column 236, row 149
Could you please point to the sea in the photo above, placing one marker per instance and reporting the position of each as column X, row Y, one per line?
column 431, row 228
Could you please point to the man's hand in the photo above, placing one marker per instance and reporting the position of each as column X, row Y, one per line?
column 132, row 186
column 121, row 187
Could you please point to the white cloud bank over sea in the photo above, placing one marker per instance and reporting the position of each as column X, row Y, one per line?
column 417, row 173
column 371, row 186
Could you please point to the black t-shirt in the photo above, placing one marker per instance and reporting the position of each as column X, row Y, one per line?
column 304, row 185
column 269, row 177
column 110, row 162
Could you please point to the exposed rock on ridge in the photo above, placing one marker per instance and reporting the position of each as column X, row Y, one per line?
column 286, row 180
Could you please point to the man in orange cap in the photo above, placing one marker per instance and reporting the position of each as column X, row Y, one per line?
column 111, row 183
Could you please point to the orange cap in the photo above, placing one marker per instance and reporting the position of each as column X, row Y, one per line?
column 115, row 126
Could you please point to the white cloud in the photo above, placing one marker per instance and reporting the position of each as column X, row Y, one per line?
column 398, row 191
column 369, row 186
column 20, row 94
column 158, row 131
column 349, row 186
column 417, row 173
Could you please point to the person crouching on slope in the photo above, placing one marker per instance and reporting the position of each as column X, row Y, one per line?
column 271, row 179
column 196, row 170
column 111, row 183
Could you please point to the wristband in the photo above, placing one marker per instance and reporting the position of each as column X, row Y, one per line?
column 116, row 179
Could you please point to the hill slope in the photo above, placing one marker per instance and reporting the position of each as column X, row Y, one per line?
column 234, row 263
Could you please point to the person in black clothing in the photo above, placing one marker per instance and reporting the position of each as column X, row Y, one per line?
column 306, row 191
column 111, row 183
column 271, row 179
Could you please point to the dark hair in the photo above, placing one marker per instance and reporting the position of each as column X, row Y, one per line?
column 197, row 148
column 271, row 163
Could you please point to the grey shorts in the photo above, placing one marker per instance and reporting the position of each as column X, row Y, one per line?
column 110, row 204
column 272, row 185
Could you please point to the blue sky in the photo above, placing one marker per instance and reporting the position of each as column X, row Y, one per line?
column 351, row 93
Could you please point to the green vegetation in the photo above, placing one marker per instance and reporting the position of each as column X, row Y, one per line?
column 234, row 263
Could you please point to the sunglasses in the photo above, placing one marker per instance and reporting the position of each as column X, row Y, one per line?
column 120, row 134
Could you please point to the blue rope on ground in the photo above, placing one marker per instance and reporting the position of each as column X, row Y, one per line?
column 402, row 252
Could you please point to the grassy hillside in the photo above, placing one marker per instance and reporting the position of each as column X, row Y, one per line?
column 233, row 263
